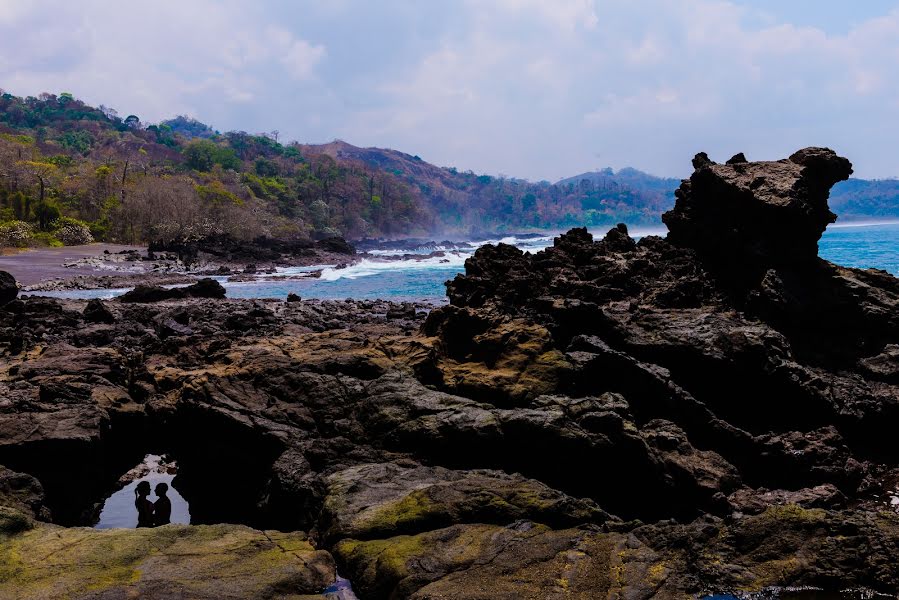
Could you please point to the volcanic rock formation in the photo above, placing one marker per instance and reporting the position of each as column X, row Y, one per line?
column 657, row 418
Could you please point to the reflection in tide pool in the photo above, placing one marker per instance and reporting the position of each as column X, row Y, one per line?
column 119, row 510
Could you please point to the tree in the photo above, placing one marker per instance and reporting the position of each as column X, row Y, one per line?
column 265, row 167
column 202, row 155
column 46, row 214
column 44, row 172
column 132, row 122
column 21, row 205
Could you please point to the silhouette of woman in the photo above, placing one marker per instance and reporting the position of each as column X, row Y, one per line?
column 162, row 508
column 143, row 505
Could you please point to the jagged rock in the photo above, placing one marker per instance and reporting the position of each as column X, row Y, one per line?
column 97, row 312
column 404, row 311
column 291, row 297
column 618, row 240
column 9, row 289
column 767, row 213
column 337, row 245
column 168, row 327
column 753, row 502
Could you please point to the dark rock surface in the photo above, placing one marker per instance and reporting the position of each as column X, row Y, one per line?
column 205, row 288
column 96, row 312
column 9, row 289
column 223, row 248
column 658, row 418
column 768, row 212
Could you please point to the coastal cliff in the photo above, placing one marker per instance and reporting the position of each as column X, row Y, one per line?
column 707, row 412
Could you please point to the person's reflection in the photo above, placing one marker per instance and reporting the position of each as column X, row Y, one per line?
column 162, row 508
column 143, row 505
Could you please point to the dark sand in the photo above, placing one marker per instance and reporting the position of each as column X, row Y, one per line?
column 35, row 265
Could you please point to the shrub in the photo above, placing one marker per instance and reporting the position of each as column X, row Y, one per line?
column 42, row 238
column 72, row 232
column 15, row 234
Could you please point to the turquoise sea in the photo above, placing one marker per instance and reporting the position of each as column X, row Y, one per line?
column 855, row 244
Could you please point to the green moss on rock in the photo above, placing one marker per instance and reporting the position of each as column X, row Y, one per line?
column 199, row 562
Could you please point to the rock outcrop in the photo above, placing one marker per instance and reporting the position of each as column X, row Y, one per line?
column 204, row 288
column 9, row 289
column 657, row 418
column 765, row 213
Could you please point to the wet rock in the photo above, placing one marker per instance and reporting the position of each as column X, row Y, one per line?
column 291, row 297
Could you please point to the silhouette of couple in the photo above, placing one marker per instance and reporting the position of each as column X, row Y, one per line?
column 152, row 514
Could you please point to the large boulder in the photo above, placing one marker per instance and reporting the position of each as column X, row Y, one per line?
column 205, row 288
column 9, row 289
column 97, row 312
column 335, row 244
column 767, row 212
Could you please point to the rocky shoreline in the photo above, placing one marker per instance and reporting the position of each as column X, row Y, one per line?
column 668, row 418
column 176, row 264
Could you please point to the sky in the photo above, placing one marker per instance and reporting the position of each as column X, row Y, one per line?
column 537, row 89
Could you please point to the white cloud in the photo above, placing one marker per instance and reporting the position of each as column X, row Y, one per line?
column 534, row 88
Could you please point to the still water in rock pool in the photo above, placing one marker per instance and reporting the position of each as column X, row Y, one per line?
column 383, row 276
column 119, row 509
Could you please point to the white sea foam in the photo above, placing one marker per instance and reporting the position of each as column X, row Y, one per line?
column 367, row 267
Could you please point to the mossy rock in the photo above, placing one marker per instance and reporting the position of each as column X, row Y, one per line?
column 380, row 500
column 522, row 561
column 176, row 561
column 13, row 521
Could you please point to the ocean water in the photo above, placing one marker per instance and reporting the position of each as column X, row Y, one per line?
column 856, row 245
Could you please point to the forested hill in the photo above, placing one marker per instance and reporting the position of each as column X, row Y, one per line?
column 70, row 172
column 466, row 202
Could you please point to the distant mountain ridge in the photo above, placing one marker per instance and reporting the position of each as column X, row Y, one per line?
column 66, row 166
column 467, row 201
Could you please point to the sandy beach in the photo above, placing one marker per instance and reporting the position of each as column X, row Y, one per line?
column 32, row 266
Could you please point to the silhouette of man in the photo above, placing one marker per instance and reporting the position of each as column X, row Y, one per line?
column 162, row 508
column 143, row 505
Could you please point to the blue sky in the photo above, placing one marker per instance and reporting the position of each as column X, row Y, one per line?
column 540, row 89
